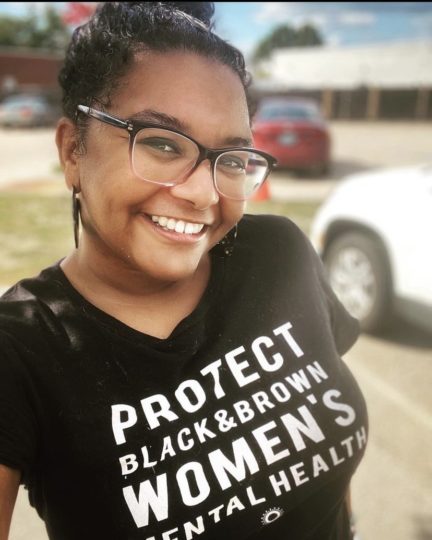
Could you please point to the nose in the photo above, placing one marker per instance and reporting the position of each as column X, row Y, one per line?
column 198, row 188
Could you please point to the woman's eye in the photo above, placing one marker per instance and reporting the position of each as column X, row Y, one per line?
column 161, row 145
column 166, row 148
column 234, row 164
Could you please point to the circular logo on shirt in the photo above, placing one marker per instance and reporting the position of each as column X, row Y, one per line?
column 271, row 515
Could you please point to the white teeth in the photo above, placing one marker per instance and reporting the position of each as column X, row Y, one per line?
column 171, row 224
column 179, row 226
column 190, row 228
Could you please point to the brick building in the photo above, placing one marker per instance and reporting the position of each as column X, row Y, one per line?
column 30, row 71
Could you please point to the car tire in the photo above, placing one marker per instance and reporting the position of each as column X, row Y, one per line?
column 358, row 271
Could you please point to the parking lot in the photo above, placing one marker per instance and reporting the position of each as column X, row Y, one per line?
column 359, row 147
column 392, row 489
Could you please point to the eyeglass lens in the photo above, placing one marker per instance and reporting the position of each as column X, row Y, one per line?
column 164, row 157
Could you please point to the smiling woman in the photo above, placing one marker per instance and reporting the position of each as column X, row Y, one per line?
column 179, row 372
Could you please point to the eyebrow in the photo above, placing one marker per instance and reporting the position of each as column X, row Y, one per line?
column 165, row 120
column 149, row 115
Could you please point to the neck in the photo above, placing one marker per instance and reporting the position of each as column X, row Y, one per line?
column 124, row 284
column 149, row 306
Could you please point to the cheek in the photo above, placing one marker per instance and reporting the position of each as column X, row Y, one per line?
column 103, row 188
column 105, row 179
column 106, row 157
column 232, row 212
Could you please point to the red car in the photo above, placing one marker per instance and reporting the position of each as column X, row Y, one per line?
column 295, row 133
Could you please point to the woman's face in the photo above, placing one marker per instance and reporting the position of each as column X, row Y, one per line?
column 204, row 99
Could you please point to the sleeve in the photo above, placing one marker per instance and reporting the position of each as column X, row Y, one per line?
column 302, row 255
column 345, row 327
column 18, row 425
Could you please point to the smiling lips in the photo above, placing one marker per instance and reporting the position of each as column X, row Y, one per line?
column 177, row 225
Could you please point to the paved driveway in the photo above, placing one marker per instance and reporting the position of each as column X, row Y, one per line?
column 358, row 147
column 27, row 155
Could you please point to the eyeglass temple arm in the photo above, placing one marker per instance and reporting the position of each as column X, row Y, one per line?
column 99, row 115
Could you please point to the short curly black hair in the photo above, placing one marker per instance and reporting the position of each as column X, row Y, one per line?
column 102, row 50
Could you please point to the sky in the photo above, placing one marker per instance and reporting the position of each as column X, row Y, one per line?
column 340, row 23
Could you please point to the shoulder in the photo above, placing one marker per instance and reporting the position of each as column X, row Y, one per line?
column 285, row 256
column 266, row 226
column 276, row 236
column 266, row 222
column 24, row 304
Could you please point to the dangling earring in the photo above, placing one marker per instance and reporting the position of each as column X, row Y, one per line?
column 76, row 214
column 228, row 241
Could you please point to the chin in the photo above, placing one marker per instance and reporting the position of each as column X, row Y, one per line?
column 171, row 269
column 167, row 262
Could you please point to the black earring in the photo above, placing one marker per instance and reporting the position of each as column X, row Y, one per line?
column 228, row 241
column 75, row 215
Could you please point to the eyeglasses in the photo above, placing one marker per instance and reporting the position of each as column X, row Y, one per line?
column 167, row 157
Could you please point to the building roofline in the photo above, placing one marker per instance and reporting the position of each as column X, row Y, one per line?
column 396, row 64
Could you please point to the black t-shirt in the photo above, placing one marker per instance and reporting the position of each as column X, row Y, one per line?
column 243, row 424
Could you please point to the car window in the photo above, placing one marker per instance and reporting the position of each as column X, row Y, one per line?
column 291, row 112
column 16, row 106
column 22, row 100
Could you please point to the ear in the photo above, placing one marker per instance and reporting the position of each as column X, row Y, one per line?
column 67, row 146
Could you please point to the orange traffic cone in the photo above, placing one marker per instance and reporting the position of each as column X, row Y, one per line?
column 263, row 194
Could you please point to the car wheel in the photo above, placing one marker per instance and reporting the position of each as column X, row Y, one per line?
column 358, row 272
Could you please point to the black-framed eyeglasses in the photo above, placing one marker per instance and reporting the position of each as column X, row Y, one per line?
column 167, row 157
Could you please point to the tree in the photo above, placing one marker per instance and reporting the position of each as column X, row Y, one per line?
column 285, row 35
column 12, row 31
column 308, row 36
column 39, row 31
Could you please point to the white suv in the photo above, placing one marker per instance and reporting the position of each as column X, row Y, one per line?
column 374, row 234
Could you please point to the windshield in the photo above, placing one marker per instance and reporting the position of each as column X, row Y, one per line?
column 288, row 112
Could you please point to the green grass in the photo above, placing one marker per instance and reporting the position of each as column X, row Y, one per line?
column 300, row 212
column 36, row 229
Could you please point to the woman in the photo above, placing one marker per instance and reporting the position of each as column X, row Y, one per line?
column 178, row 374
